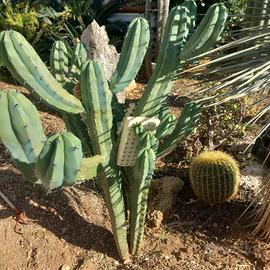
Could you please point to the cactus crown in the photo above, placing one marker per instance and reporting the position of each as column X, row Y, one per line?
column 87, row 101
column 209, row 157
column 214, row 177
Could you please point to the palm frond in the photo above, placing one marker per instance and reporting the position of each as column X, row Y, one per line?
column 262, row 210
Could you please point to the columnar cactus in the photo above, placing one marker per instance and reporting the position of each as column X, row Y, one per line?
column 92, row 114
column 214, row 177
column 139, row 186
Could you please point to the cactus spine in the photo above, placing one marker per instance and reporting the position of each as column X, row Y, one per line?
column 59, row 161
column 214, row 177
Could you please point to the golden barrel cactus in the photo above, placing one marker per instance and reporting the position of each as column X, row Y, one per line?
column 214, row 177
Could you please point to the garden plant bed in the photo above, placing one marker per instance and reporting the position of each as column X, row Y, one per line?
column 70, row 227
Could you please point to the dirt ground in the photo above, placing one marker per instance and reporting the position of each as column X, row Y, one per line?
column 70, row 228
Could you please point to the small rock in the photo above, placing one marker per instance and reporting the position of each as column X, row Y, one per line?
column 88, row 265
column 164, row 196
column 97, row 42
column 65, row 267
column 155, row 219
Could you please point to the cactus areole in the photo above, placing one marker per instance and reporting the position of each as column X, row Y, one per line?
column 78, row 88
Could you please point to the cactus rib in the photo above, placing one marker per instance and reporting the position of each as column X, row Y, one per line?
column 44, row 159
column 78, row 58
column 7, row 134
column 76, row 125
column 214, row 177
column 192, row 7
column 73, row 157
column 167, row 123
column 139, row 188
column 59, row 62
column 55, row 171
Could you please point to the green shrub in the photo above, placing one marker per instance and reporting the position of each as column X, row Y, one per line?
column 222, row 125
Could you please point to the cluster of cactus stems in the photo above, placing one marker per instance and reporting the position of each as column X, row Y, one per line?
column 77, row 87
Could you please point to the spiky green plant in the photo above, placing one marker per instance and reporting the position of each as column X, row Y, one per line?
column 93, row 116
column 261, row 213
column 241, row 67
column 214, row 177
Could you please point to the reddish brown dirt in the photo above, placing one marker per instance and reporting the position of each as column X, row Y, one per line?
column 71, row 228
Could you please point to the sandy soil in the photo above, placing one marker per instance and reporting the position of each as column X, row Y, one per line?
column 70, row 227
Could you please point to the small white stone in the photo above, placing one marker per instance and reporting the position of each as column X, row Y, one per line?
column 65, row 267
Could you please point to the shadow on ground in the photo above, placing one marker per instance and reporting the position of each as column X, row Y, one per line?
column 57, row 213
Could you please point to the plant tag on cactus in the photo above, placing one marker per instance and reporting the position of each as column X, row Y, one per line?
column 128, row 146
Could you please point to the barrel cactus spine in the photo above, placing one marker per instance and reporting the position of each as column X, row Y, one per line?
column 97, row 111
column 214, row 177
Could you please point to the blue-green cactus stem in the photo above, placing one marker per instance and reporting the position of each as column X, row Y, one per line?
column 139, row 188
column 167, row 123
column 45, row 163
column 21, row 130
column 184, row 126
column 59, row 62
column 59, row 161
column 55, row 171
column 132, row 54
column 175, row 51
column 76, row 125
column 97, row 100
column 192, row 7
column 25, row 66
column 73, row 157
column 160, row 84
column 78, row 58
column 207, row 34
